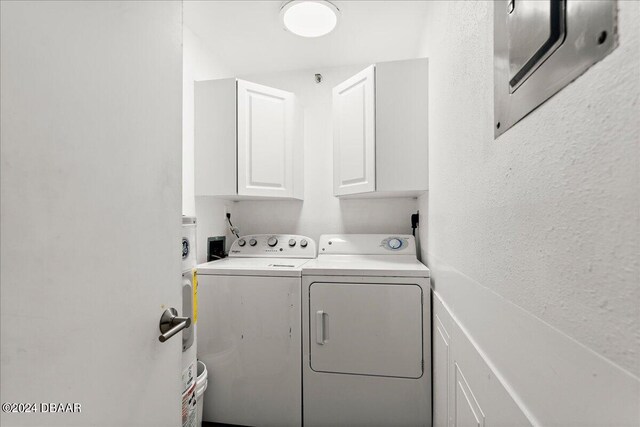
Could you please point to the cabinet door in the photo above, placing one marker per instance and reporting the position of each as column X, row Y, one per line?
column 265, row 140
column 354, row 134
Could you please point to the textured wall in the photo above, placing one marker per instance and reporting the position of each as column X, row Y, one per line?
column 548, row 215
column 199, row 63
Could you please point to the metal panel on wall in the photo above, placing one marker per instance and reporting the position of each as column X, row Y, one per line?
column 541, row 46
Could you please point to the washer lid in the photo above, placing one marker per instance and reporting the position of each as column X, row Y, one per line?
column 280, row 267
column 365, row 265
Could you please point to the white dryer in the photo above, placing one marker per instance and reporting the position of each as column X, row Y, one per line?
column 366, row 333
column 249, row 331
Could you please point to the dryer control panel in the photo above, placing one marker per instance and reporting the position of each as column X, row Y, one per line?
column 367, row 244
column 273, row 245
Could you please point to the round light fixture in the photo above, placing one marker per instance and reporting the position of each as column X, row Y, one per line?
column 309, row 18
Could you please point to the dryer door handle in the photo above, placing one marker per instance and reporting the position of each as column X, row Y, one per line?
column 321, row 330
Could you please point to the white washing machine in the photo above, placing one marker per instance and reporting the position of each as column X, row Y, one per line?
column 249, row 331
column 366, row 333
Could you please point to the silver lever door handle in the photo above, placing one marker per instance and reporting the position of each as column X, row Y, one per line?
column 171, row 324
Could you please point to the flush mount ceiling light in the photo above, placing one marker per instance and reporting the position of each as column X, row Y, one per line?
column 309, row 18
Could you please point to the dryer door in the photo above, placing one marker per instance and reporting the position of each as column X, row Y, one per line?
column 366, row 329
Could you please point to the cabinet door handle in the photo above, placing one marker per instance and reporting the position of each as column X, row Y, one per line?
column 321, row 336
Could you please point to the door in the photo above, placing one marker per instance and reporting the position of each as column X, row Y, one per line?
column 366, row 329
column 354, row 134
column 265, row 140
column 90, row 214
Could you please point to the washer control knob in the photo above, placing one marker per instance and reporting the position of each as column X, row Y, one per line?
column 292, row 242
column 272, row 241
column 304, row 243
column 395, row 243
column 241, row 242
column 252, row 242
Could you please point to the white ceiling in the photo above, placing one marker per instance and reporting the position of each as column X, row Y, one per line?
column 247, row 36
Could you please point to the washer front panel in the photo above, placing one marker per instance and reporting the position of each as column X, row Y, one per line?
column 250, row 340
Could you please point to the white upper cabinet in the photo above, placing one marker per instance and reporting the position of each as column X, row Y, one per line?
column 248, row 141
column 380, row 131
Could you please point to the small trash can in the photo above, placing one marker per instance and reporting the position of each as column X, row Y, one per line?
column 201, row 386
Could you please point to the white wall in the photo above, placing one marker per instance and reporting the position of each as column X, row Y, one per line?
column 533, row 238
column 320, row 212
column 199, row 63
